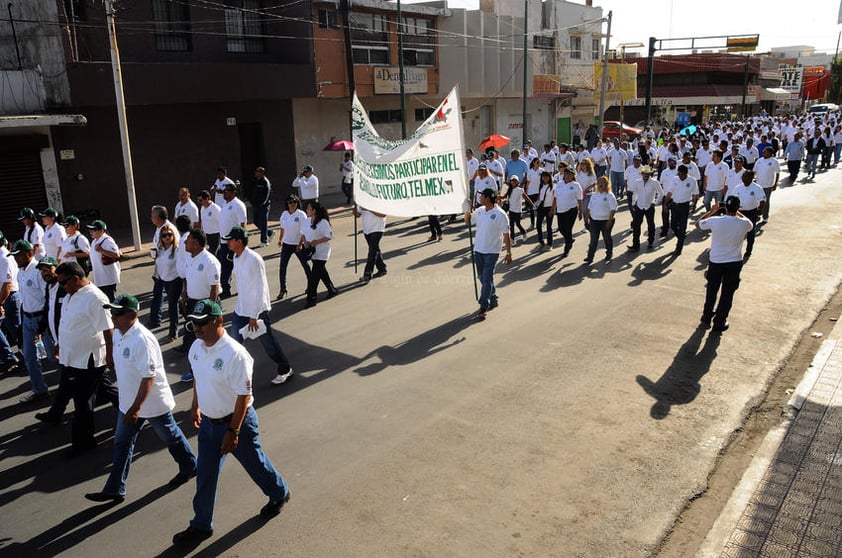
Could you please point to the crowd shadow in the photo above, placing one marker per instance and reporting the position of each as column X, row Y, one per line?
column 416, row 348
column 680, row 383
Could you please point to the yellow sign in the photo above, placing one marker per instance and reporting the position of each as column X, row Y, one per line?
column 622, row 82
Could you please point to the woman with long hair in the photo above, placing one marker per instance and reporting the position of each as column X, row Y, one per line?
column 586, row 177
column 533, row 186
column 601, row 212
column 316, row 236
column 166, row 268
column 293, row 220
column 545, row 206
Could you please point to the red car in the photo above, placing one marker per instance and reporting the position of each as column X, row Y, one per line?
column 614, row 129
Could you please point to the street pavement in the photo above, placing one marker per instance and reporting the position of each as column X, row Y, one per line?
column 577, row 420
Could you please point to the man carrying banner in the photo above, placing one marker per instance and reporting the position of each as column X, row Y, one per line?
column 492, row 228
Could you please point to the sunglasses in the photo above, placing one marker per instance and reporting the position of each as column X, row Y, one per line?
column 166, row 235
column 202, row 323
column 119, row 312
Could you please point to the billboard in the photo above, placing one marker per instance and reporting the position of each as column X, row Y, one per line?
column 792, row 78
column 622, row 82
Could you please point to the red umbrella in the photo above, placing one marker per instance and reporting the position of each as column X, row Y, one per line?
column 495, row 141
column 339, row 145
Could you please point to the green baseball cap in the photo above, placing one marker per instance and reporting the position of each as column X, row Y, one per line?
column 21, row 246
column 47, row 261
column 238, row 233
column 205, row 309
column 124, row 302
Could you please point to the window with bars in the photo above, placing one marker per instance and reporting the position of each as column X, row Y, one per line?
column 369, row 38
column 422, row 114
column 172, row 26
column 243, row 26
column 543, row 42
column 576, row 48
column 327, row 19
column 595, row 44
column 418, row 40
column 384, row 116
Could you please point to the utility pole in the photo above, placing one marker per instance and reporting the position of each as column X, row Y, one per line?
column 745, row 87
column 121, row 121
column 401, row 70
column 650, row 78
column 525, row 66
column 604, row 87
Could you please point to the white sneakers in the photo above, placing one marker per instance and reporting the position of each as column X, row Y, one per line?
column 281, row 378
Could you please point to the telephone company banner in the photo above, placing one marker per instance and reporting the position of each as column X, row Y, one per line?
column 421, row 175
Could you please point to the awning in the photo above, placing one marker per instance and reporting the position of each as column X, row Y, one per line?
column 774, row 94
column 34, row 120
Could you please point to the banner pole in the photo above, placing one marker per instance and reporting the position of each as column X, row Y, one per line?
column 356, row 238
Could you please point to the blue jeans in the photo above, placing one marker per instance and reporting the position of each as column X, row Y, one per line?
column 261, row 221
column 268, row 340
column 157, row 300
column 125, row 436
column 30, row 355
column 173, row 289
column 485, row 273
column 618, row 183
column 712, row 195
column 248, row 453
column 837, row 153
column 812, row 160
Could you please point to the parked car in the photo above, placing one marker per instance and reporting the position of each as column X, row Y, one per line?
column 823, row 108
column 614, row 129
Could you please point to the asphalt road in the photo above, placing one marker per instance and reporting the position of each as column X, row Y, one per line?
column 577, row 420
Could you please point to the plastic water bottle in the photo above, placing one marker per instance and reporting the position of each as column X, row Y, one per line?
column 40, row 349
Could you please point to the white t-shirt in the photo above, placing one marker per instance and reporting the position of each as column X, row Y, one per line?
column 491, row 225
column 291, row 224
column 252, row 286
column 31, row 292
column 481, row 184
column 233, row 214
column 347, row 171
column 53, row 239
column 750, row 196
column 322, row 230
column 765, row 171
column 77, row 242
column 567, row 196
column 734, row 178
column 587, row 181
column 35, row 235
column 308, row 188
column 137, row 355
column 715, row 176
column 471, row 166
column 728, row 233
column 220, row 185
column 104, row 275
column 601, row 205
column 548, row 161
column 210, row 218
column 516, row 200
column 222, row 372
column 545, row 195
column 619, row 158
column 80, row 330
column 201, row 273
column 534, row 182
column 682, row 190
column 190, row 209
column 371, row 222
column 166, row 263
column 8, row 269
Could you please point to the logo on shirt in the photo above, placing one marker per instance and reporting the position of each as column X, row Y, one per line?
column 493, row 217
column 296, row 219
column 126, row 352
column 201, row 267
column 751, row 193
column 29, row 282
column 217, row 364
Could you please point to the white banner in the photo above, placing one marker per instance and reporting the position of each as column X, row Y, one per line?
column 421, row 175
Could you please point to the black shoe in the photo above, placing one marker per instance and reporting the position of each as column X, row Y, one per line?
column 48, row 418
column 273, row 508
column 181, row 478
column 332, row 293
column 493, row 304
column 310, row 303
column 191, row 536
column 379, row 274
column 663, row 234
column 651, row 244
column 608, row 257
column 104, row 497
column 721, row 327
column 224, row 295
column 704, row 323
column 633, row 248
column 589, row 259
column 77, row 451
column 365, row 279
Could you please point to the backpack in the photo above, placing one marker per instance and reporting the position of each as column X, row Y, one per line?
column 85, row 263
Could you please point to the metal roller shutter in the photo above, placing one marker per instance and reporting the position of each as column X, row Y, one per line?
column 21, row 185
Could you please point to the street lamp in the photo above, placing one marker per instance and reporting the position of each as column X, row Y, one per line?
column 623, row 47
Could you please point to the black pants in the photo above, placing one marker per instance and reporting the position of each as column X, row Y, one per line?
column 534, row 198
column 319, row 273
column 545, row 213
column 227, row 267
column 680, row 213
column 793, row 167
column 84, row 385
column 727, row 277
column 637, row 220
column 375, row 257
column 188, row 334
column 348, row 190
column 566, row 220
column 213, row 243
column 435, row 227
column 752, row 215
column 596, row 228
column 109, row 291
column 287, row 250
column 514, row 221
column 665, row 218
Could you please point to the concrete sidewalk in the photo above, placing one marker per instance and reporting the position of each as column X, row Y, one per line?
column 789, row 501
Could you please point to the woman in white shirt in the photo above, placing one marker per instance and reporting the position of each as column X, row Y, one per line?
column 166, row 267
column 586, row 177
column 105, row 259
column 317, row 235
column 292, row 221
column 601, row 212
column 533, row 187
column 545, row 207
column 76, row 247
column 517, row 197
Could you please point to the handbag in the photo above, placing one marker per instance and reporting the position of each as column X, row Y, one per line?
column 307, row 252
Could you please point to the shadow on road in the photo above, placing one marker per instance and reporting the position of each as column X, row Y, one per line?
column 680, row 385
